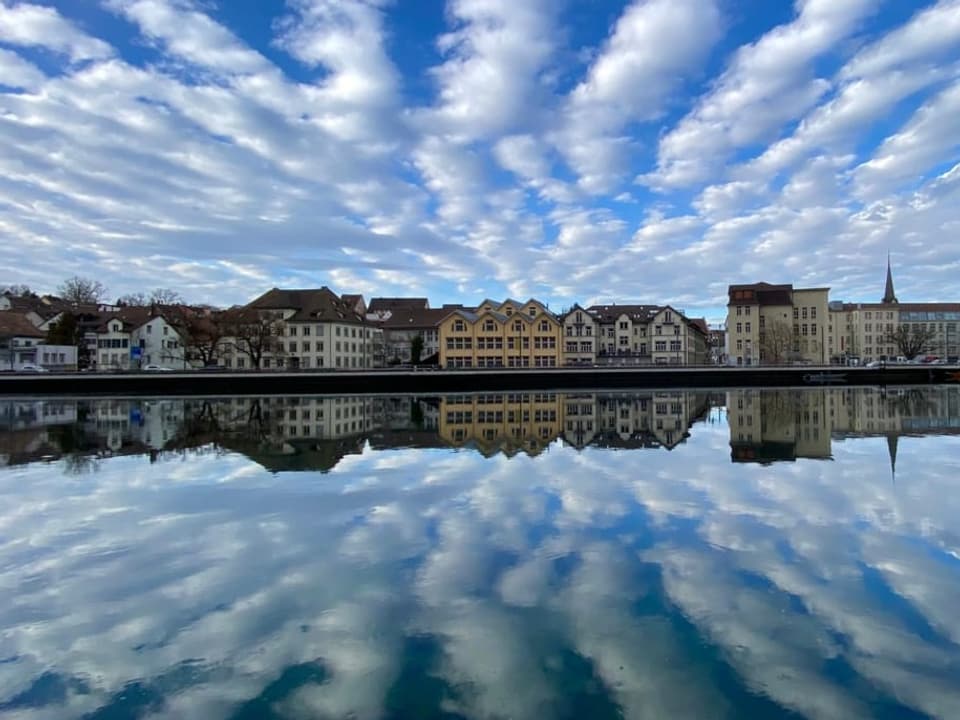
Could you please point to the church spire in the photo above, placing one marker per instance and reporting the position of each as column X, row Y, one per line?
column 892, row 451
column 888, row 295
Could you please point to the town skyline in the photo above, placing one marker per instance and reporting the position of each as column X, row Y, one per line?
column 478, row 148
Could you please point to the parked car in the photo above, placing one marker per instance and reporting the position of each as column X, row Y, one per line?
column 156, row 368
column 874, row 364
column 31, row 368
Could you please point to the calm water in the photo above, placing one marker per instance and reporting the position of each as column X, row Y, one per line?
column 650, row 555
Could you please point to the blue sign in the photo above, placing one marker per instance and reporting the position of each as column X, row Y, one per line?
column 135, row 352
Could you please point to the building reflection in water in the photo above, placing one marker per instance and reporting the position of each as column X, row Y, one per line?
column 769, row 426
column 315, row 433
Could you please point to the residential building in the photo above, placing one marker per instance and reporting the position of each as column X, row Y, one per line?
column 648, row 335
column 402, row 320
column 863, row 332
column 717, row 346
column 22, row 343
column 127, row 338
column 304, row 328
column 776, row 324
column 507, row 334
column 580, row 336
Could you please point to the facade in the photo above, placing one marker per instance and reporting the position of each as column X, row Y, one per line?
column 22, row 344
column 648, row 335
column 128, row 338
column 306, row 329
column 777, row 324
column 580, row 336
column 402, row 320
column 507, row 334
column 717, row 346
column 862, row 332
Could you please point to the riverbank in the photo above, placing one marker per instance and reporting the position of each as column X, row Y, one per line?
column 457, row 381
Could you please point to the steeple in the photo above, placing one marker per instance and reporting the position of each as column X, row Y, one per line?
column 888, row 295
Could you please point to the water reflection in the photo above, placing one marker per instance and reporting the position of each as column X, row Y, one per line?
column 158, row 560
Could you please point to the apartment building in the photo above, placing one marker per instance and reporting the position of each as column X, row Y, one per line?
column 648, row 335
column 776, row 324
column 309, row 329
column 501, row 334
column 404, row 319
column 863, row 332
column 580, row 336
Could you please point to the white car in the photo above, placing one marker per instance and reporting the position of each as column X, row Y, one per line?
column 156, row 368
column 30, row 367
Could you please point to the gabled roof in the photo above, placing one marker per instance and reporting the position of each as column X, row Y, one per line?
column 382, row 304
column 413, row 318
column 574, row 308
column 14, row 324
column 700, row 324
column 610, row 313
column 309, row 305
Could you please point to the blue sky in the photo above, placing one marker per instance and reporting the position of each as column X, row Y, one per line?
column 587, row 150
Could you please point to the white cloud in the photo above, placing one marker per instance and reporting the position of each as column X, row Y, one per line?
column 41, row 26
column 767, row 84
column 16, row 72
column 654, row 46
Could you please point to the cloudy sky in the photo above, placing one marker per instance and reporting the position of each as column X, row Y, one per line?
column 573, row 150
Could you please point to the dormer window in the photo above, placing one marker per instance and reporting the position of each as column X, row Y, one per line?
column 459, row 326
column 489, row 325
column 532, row 310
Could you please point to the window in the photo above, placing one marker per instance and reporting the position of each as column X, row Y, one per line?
column 306, row 330
column 458, row 326
column 804, row 313
column 149, row 329
column 292, row 330
column 544, row 326
column 623, row 325
column 813, row 313
column 660, row 346
column 796, row 313
column 739, row 310
column 748, row 327
column 489, row 325
column 739, row 327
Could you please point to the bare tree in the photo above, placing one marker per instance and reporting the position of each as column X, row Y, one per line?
column 133, row 300
column 254, row 333
column 157, row 296
column 203, row 338
column 165, row 296
column 776, row 342
column 911, row 339
column 82, row 290
column 16, row 290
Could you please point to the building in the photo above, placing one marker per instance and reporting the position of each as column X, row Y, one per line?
column 127, row 338
column 889, row 329
column 717, row 346
column 648, row 335
column 404, row 319
column 300, row 329
column 507, row 334
column 22, row 344
column 580, row 336
column 776, row 324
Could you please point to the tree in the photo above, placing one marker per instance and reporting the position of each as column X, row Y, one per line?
column 254, row 333
column 82, row 290
column 67, row 331
column 203, row 338
column 416, row 349
column 157, row 296
column 911, row 339
column 776, row 342
column 17, row 290
column 165, row 296
column 133, row 300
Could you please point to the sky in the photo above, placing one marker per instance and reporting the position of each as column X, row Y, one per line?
column 569, row 150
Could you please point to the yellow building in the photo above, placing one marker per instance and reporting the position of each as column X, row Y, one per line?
column 507, row 334
column 777, row 324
